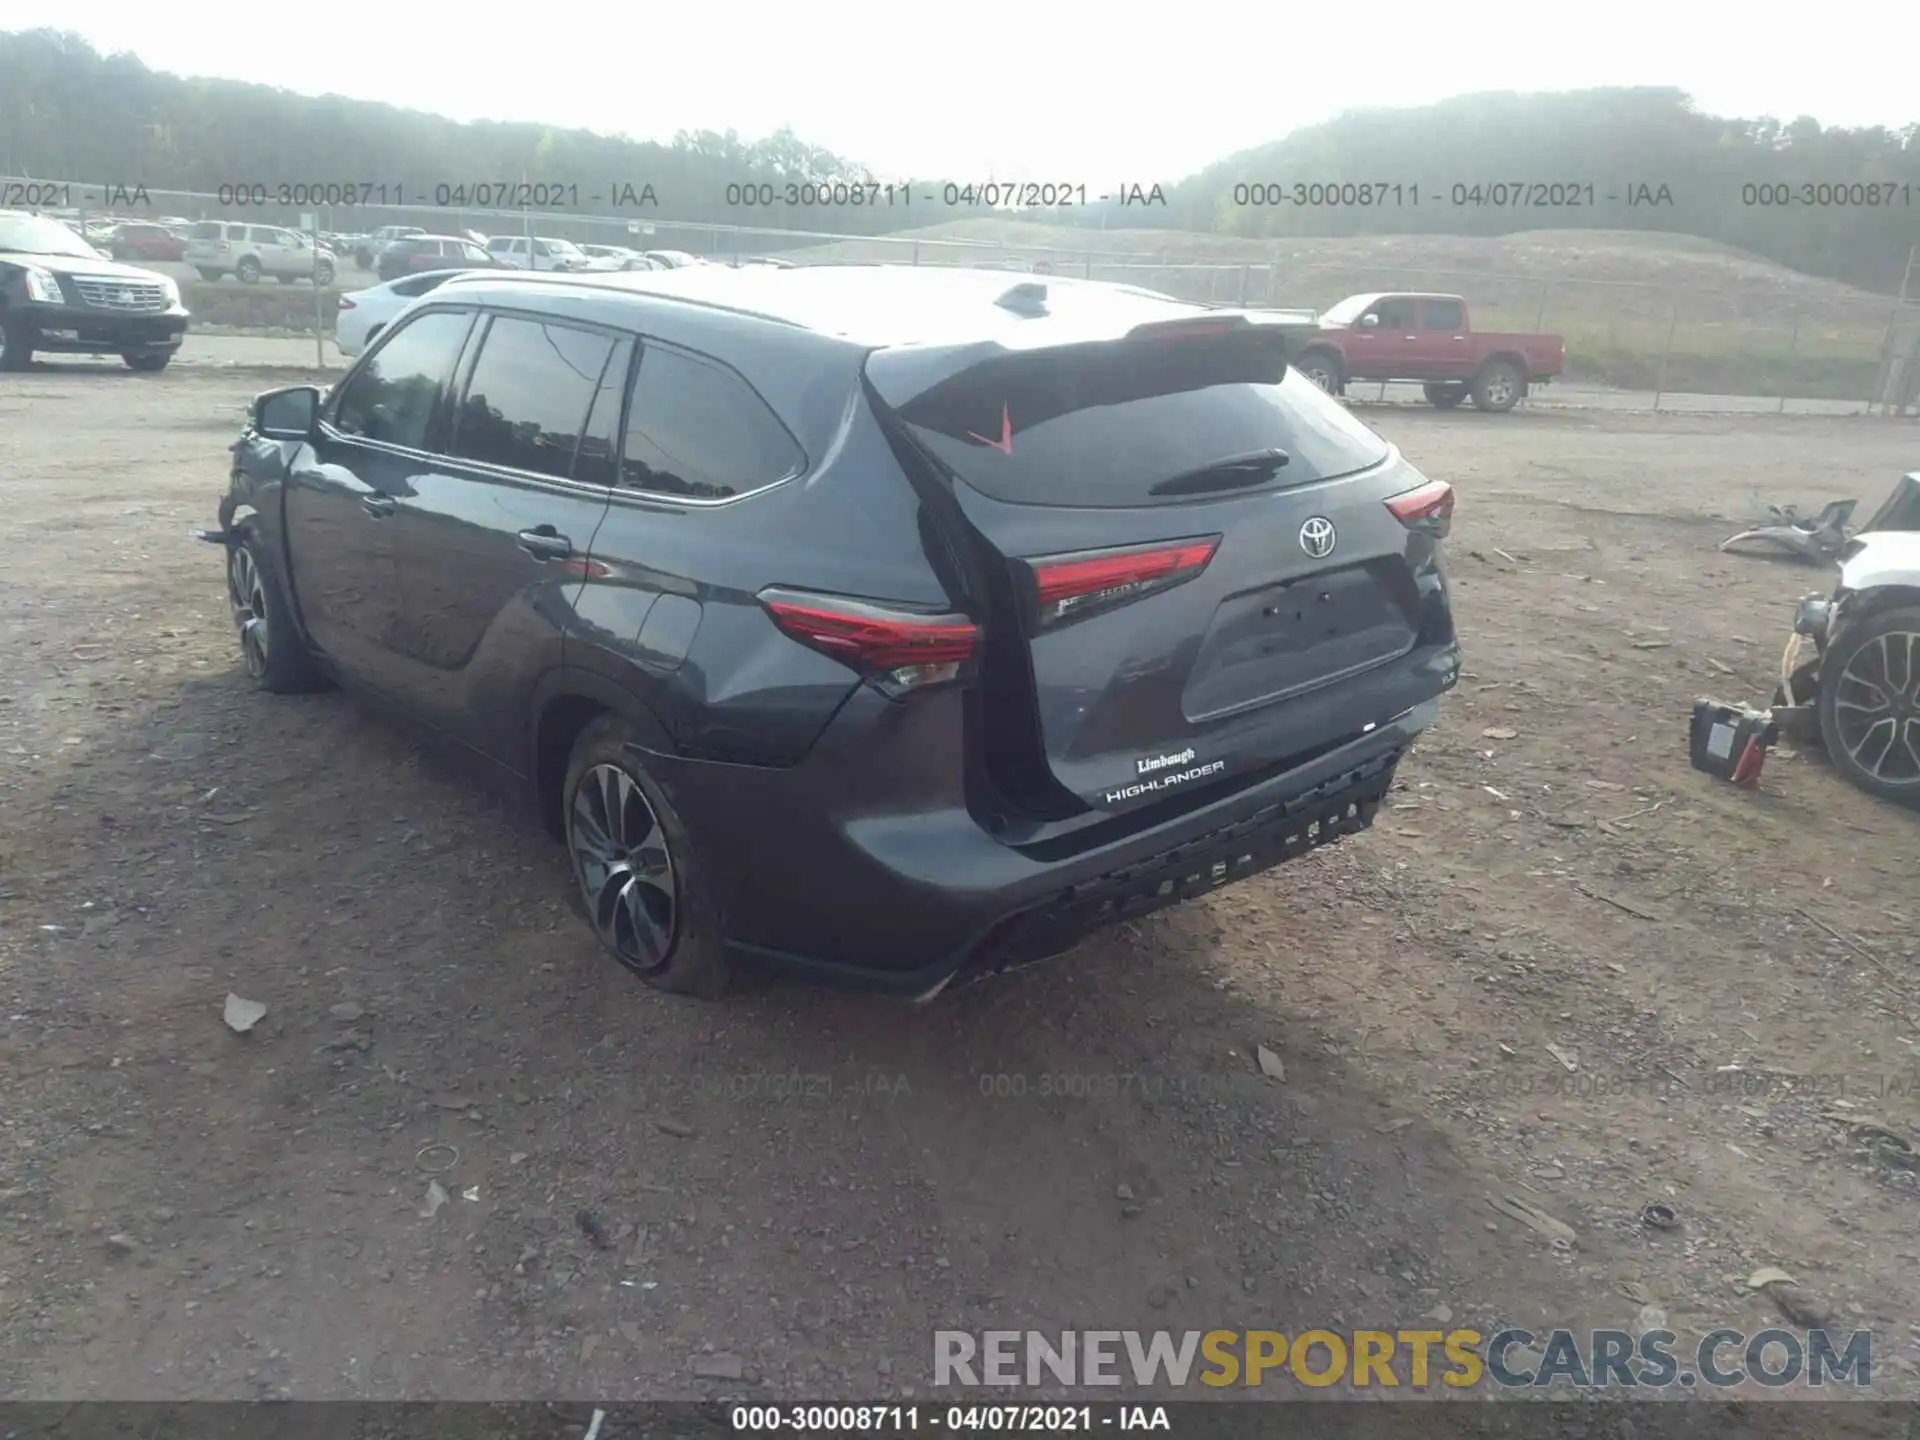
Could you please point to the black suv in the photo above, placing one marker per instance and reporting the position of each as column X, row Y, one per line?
column 883, row 624
column 59, row 294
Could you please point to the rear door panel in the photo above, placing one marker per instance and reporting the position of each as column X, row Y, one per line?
column 484, row 616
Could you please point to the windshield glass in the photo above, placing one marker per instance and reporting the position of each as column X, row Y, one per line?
column 36, row 235
column 1348, row 310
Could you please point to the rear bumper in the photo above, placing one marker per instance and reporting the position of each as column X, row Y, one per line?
column 863, row 866
column 80, row 330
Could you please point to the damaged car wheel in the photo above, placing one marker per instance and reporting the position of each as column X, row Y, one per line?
column 642, row 889
column 1870, row 703
column 272, row 650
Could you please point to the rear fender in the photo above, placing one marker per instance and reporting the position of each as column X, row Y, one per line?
column 1508, row 357
column 566, row 687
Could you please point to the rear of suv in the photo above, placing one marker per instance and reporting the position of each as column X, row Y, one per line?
column 250, row 253
column 887, row 625
column 415, row 254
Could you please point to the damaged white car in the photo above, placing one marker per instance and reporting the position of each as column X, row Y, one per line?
column 1850, row 676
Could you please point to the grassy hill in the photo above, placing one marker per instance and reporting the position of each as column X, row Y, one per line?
column 1739, row 324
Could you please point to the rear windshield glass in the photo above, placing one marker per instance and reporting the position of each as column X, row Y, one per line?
column 1108, row 424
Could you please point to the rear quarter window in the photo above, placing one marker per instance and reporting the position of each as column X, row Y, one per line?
column 1102, row 425
column 211, row 230
column 695, row 428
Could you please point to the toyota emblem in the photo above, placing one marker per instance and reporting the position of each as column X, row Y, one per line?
column 1317, row 537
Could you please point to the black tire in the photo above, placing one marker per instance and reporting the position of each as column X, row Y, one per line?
column 372, row 335
column 1879, row 652
column 149, row 364
column 16, row 350
column 640, row 883
column 270, row 646
column 1499, row 387
column 208, row 275
column 1322, row 367
column 248, row 271
column 1444, row 397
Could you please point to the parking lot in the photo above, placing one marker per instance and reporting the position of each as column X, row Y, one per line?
column 1563, row 967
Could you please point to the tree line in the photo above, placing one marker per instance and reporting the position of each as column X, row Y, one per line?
column 1843, row 203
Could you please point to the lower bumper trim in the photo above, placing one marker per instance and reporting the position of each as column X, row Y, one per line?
column 1342, row 805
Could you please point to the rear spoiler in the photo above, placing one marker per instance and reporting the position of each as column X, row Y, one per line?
column 1288, row 327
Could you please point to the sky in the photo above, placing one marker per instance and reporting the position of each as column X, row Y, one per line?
column 1065, row 91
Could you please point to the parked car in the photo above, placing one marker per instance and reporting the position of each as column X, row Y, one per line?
column 367, row 255
column 1430, row 339
column 363, row 314
column 414, row 253
column 141, row 240
column 1140, row 612
column 251, row 253
column 1850, row 676
column 674, row 259
column 610, row 257
column 60, row 295
column 547, row 252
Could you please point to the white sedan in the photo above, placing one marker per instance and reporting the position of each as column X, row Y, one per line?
column 365, row 313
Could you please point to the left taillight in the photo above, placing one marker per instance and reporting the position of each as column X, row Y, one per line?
column 1427, row 507
column 898, row 649
column 1068, row 587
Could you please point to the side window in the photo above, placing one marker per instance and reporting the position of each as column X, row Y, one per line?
column 392, row 397
column 694, row 428
column 1448, row 315
column 594, row 464
column 1396, row 314
column 527, row 400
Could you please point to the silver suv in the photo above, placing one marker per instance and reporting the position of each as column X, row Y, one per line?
column 548, row 253
column 251, row 252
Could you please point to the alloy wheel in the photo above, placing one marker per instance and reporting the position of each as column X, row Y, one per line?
column 1499, row 390
column 625, row 867
column 247, row 593
column 1877, row 708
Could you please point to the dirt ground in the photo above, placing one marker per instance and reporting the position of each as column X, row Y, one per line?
column 1536, row 977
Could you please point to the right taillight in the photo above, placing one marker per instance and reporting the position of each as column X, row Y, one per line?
column 1427, row 507
column 345, row 303
column 899, row 650
column 1067, row 587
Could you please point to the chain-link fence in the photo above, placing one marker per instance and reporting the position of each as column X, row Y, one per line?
column 1799, row 342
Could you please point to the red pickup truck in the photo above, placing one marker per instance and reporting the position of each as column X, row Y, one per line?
column 1425, row 338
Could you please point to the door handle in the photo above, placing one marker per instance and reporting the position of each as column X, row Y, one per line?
column 379, row 506
column 544, row 543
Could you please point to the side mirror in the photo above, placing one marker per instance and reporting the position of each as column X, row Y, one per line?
column 288, row 414
column 1369, row 322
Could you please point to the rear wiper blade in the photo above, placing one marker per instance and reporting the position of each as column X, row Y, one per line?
column 1241, row 470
